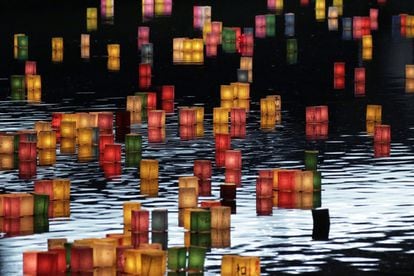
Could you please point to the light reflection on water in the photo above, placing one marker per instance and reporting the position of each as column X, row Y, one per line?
column 369, row 199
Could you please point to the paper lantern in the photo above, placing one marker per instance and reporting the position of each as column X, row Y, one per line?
column 112, row 153
column 57, row 43
column 156, row 135
column 238, row 131
column 187, row 198
column 46, row 140
column 289, row 24
column 114, row 50
column 149, row 169
column 228, row 191
column 220, row 115
column 59, row 209
column 167, row 92
column 177, row 258
column 382, row 150
column 47, row 157
column 133, row 142
column 151, row 100
column 105, row 122
column 222, row 141
column 264, row 206
column 315, row 131
column 156, row 118
column 307, row 182
column 81, row 258
column 7, row 161
column 114, row 64
column 7, row 144
column 316, row 114
column 145, row 261
column 374, row 113
column 143, row 35
column 18, row 205
column 68, row 129
column 202, row 169
column 41, row 204
column 264, row 187
column 128, row 207
column 382, row 134
column 220, row 217
column 187, row 116
column 159, row 220
column 233, row 264
column 233, row 160
column 139, row 221
column 238, row 116
column 27, row 169
column 36, row 262
column 197, row 220
column 149, row 187
column 288, row 180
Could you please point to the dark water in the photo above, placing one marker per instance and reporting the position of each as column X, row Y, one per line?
column 370, row 200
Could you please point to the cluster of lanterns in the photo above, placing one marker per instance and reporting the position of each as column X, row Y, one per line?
column 188, row 51
column 157, row 7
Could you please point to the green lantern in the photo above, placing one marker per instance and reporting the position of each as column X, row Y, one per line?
column 17, row 82
column 22, row 41
column 22, row 54
column 41, row 204
column 133, row 142
column 311, row 160
column 196, row 258
column 68, row 248
column 228, row 47
column 317, row 181
column 41, row 224
column 161, row 238
column 177, row 258
column 132, row 159
column 144, row 100
column 270, row 25
column 159, row 222
column 291, row 45
column 16, row 142
column 200, row 239
column 229, row 40
column 200, row 221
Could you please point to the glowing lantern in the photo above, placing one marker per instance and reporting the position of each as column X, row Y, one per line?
column 30, row 68
column 114, row 50
column 156, row 118
column 112, row 153
column 27, row 151
column 222, row 141
column 288, row 180
column 317, row 114
column 374, row 113
column 187, row 198
column 228, row 191
column 220, row 115
column 81, row 258
column 187, row 116
column 17, row 83
column 311, row 160
column 232, row 264
column 134, row 103
column 167, row 92
column 27, row 169
column 128, row 207
column 149, row 169
column 46, row 140
column 264, row 187
column 38, row 263
column 409, row 78
column 382, row 150
column 145, row 261
column 233, row 160
column 114, row 64
column 7, row 144
column 339, row 75
column 18, row 205
column 373, row 16
column 202, row 169
column 359, row 80
column 139, row 221
column 143, row 35
column 220, row 217
column 133, row 142
column 382, row 134
column 156, row 135
column 227, row 92
column 197, row 220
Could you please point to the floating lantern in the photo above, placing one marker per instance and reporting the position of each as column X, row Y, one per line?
column 177, row 258
column 139, row 221
column 104, row 140
column 128, row 207
column 81, row 258
column 366, row 47
column 27, row 169
column 220, row 217
column 339, row 75
column 187, row 198
column 68, row 129
column 159, row 221
column 202, row 169
column 232, row 264
column 201, row 16
column 188, row 182
column 143, row 35
column 409, row 78
column 316, row 114
column 187, row 132
column 374, row 113
column 30, row 68
column 233, row 160
column 382, row 134
column 238, row 131
column 38, row 263
column 18, row 205
column 320, row 10
column 18, row 86
column 112, row 153
column 58, row 243
column 57, row 43
column 264, row 187
column 133, row 142
column 307, row 182
column 382, row 150
column 222, row 141
column 145, row 261
column 156, row 135
column 46, row 140
column 149, row 169
column 359, row 81
column 220, row 115
column 156, row 118
column 187, row 116
column 228, row 191
column 264, row 206
column 373, row 16
column 227, row 92
column 204, row 187
column 197, row 220
column 149, row 187
column 27, row 151
column 167, row 92
column 21, row 41
column 233, row 176
column 7, row 144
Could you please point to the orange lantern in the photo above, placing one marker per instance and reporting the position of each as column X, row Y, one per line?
column 233, row 160
column 156, row 118
column 187, row 116
column 149, row 169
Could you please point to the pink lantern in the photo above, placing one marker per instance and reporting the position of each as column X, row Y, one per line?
column 139, row 221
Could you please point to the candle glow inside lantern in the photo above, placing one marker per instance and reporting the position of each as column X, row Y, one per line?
column 40, row 263
column 374, row 113
column 156, row 118
column 232, row 264
column 339, row 75
column 187, row 197
column 114, row 50
column 149, row 169
column 382, row 134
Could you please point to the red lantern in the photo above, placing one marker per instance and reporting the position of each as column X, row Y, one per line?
column 30, row 68
column 238, row 131
column 105, row 139
column 44, row 186
column 105, row 122
column 204, row 187
column 228, row 191
column 139, row 221
column 112, row 169
column 287, row 199
column 339, row 75
column 220, row 158
column 264, row 206
column 304, row 3
column 359, row 81
column 156, row 118
column 382, row 150
column 187, row 116
column 151, row 100
column 61, row 259
column 56, row 120
column 156, row 135
column 317, row 114
column 27, row 169
column 144, row 82
column 286, row 180
column 238, row 116
column 81, row 258
column 39, row 263
column 167, row 106
column 27, row 151
column 233, row 176
column 112, row 153
column 167, row 92
column 202, row 169
column 139, row 238
column 233, row 160
column 18, row 205
column 403, row 20
column 382, row 134
column 316, row 131
column 266, row 174
column 144, row 70
column 187, row 132
column 143, row 36
column 264, row 187
column 222, row 141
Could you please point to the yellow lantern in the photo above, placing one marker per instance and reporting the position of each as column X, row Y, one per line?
column 277, row 99
column 33, row 82
column 267, row 122
column 307, row 182
column 374, row 113
column 68, row 129
column 57, row 43
column 56, row 243
column 220, row 128
column 366, row 53
column 409, row 71
column 227, row 92
column 228, row 104
column 146, row 262
column 42, row 126
column 6, row 144
column 197, row 57
column 220, row 217
column 47, row 157
column 85, row 136
column 320, row 14
column 34, row 96
column 59, row 209
column 57, row 55
column 320, row 4
column 46, row 139
column 197, row 45
column 178, row 56
column 267, row 106
column 199, row 130
column 85, row 41
column 178, row 44
column 114, row 64
column 149, row 187
column 367, row 41
column 242, row 90
column 134, row 103
column 127, row 208
column 114, row 50
column 61, row 189
column 233, row 264
column 83, row 120
column 91, row 13
column 149, row 169
column 220, row 238
column 339, row 5
column 199, row 114
column 104, row 252
column 188, row 182
column 86, row 153
column 242, row 104
column 220, row 115
column 187, row 45
column 187, row 198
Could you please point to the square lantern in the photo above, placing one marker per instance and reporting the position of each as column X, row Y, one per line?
column 382, row 134
column 187, row 198
column 264, row 187
column 139, row 221
column 156, row 118
column 202, row 169
column 374, row 113
column 18, row 205
column 149, row 169
column 188, row 182
column 220, row 217
column 40, row 263
column 159, row 220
